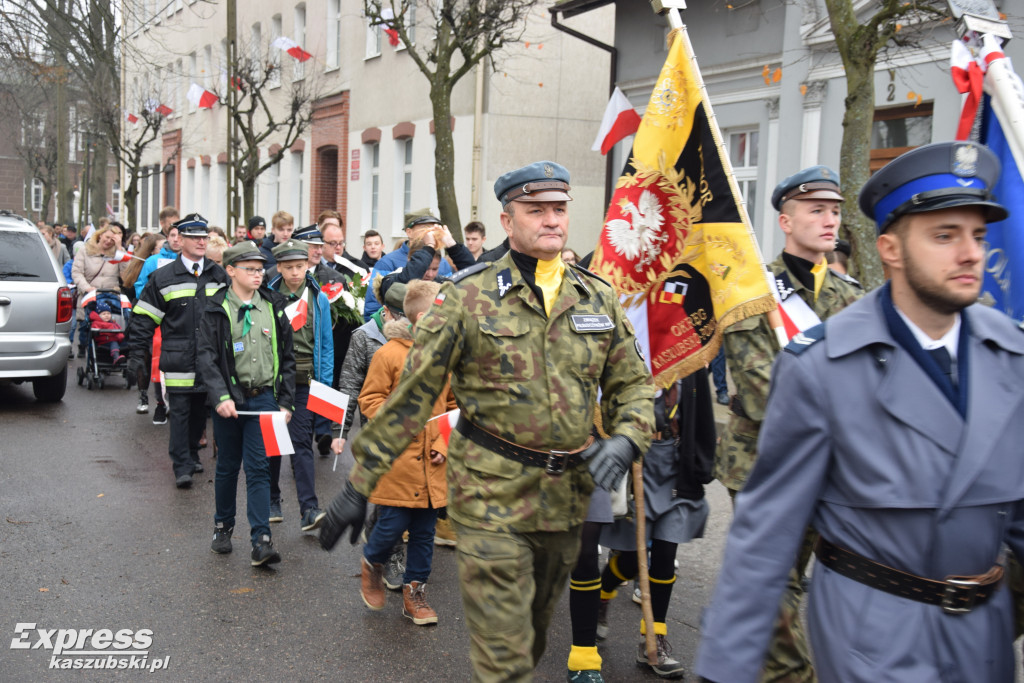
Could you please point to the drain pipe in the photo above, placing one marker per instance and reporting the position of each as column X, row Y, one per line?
column 609, row 171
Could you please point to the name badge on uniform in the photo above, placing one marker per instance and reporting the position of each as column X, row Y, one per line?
column 239, row 347
column 591, row 323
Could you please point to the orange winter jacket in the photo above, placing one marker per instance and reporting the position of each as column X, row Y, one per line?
column 413, row 481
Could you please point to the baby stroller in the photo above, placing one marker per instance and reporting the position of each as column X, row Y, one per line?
column 99, row 361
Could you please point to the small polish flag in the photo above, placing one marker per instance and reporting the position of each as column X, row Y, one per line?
column 332, row 290
column 323, row 400
column 439, row 299
column 201, row 97
column 163, row 110
column 275, row 434
column 387, row 15
column 130, row 117
column 446, row 424
column 297, row 312
column 121, row 256
column 619, row 120
column 291, row 47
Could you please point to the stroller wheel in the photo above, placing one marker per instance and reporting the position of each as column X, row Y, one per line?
column 88, row 382
column 101, row 382
column 81, row 376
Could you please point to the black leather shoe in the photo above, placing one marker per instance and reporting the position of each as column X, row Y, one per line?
column 184, row 481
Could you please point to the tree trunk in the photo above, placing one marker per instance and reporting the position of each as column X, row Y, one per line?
column 444, row 155
column 98, row 178
column 248, row 199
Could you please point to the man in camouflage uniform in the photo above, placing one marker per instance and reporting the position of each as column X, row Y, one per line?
column 527, row 342
column 809, row 215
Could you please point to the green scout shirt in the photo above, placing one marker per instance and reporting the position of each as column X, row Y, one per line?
column 529, row 377
column 254, row 352
column 750, row 350
column 303, row 339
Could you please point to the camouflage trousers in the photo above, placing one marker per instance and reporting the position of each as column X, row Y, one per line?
column 789, row 656
column 510, row 585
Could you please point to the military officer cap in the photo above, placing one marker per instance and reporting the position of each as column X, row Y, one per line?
column 292, row 250
column 257, row 222
column 394, row 298
column 243, row 251
column 843, row 246
column 421, row 217
column 938, row 176
column 310, row 234
column 192, row 225
column 816, row 182
column 541, row 181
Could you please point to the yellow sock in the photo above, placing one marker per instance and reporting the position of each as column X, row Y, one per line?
column 584, row 659
column 660, row 629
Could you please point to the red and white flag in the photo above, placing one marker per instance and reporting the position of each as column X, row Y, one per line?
column 447, row 422
column 163, row 110
column 969, row 78
column 291, row 47
column 87, row 299
column 297, row 312
column 275, row 434
column 323, row 400
column 121, row 256
column 332, row 290
column 388, row 16
column 130, row 117
column 796, row 315
column 620, row 120
column 201, row 97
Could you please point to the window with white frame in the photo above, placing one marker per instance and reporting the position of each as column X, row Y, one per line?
column 299, row 36
column 297, row 186
column 374, row 154
column 33, row 130
column 373, row 38
column 193, row 67
column 255, row 45
column 37, row 194
column 115, row 197
column 274, row 79
column 743, row 149
column 410, row 27
column 208, row 81
column 333, row 33
column 405, row 163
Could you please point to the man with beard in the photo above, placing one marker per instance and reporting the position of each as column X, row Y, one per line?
column 893, row 429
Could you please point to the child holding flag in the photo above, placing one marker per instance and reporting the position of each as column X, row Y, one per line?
column 409, row 495
column 246, row 361
column 309, row 314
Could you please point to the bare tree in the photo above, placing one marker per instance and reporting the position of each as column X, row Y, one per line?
column 861, row 43
column 465, row 32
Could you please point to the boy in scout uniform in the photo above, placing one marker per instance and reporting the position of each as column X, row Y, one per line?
column 528, row 341
column 809, row 204
column 245, row 357
column 894, row 430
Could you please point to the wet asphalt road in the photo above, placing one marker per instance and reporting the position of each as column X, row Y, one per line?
column 95, row 535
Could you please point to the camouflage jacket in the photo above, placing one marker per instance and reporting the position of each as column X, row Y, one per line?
column 750, row 350
column 527, row 377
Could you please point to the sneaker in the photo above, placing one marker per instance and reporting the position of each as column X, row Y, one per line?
column 143, row 406
column 160, row 414
column 637, row 596
column 197, row 467
column 602, row 620
column 394, row 568
column 586, row 676
column 323, row 444
column 372, row 588
column 119, row 361
column 263, row 552
column 414, row 604
column 275, row 512
column 667, row 667
column 311, row 519
column 723, row 398
column 444, row 533
column 221, row 539
column 184, row 481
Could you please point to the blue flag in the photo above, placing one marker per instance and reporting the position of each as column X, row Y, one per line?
column 1004, row 255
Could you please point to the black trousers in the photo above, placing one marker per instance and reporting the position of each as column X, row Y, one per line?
column 186, row 417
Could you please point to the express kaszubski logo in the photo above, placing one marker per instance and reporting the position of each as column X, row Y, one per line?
column 86, row 648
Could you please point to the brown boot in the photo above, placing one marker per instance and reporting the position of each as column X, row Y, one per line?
column 373, row 585
column 415, row 604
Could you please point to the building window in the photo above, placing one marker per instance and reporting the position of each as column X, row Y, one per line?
column 154, row 195
column 743, row 148
column 208, row 67
column 405, row 151
column 274, row 80
column 410, row 27
column 333, row 33
column 299, row 35
column 297, row 187
column 897, row 130
column 255, row 47
column 115, row 197
column 37, row 194
column 193, row 69
column 374, row 185
column 373, row 38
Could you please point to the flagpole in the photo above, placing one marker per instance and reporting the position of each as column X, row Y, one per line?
column 1007, row 99
column 671, row 8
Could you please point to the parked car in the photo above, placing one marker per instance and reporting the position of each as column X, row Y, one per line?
column 36, row 311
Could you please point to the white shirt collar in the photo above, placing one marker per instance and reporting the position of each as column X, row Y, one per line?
column 188, row 264
column 950, row 340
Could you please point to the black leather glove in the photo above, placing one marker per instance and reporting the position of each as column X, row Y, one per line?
column 136, row 367
column 347, row 509
column 608, row 460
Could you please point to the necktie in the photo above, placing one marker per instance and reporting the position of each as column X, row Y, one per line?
column 195, row 269
column 941, row 356
column 243, row 313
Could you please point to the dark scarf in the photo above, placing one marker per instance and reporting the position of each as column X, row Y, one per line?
column 801, row 268
column 528, row 267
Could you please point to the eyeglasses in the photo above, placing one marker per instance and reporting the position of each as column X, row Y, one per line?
column 250, row 270
column 197, row 237
column 336, row 245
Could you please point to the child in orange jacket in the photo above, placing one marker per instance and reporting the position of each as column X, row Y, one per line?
column 409, row 495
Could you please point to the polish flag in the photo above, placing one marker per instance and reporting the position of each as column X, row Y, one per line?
column 163, row 109
column 323, row 400
column 130, row 117
column 620, row 120
column 333, row 290
column 796, row 315
column 447, row 422
column 121, row 256
column 201, row 97
column 387, row 15
column 275, row 434
column 297, row 313
column 291, row 47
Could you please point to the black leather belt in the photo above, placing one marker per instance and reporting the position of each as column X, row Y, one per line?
column 553, row 462
column 955, row 595
column 252, row 392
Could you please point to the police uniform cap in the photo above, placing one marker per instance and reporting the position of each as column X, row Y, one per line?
column 816, row 182
column 292, row 250
column 394, row 298
column 941, row 175
column 421, row 217
column 192, row 225
column 257, row 222
column 541, row 181
column 310, row 234
column 243, row 251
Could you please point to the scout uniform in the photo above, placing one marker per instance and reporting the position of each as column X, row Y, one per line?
column 914, row 482
column 245, row 355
